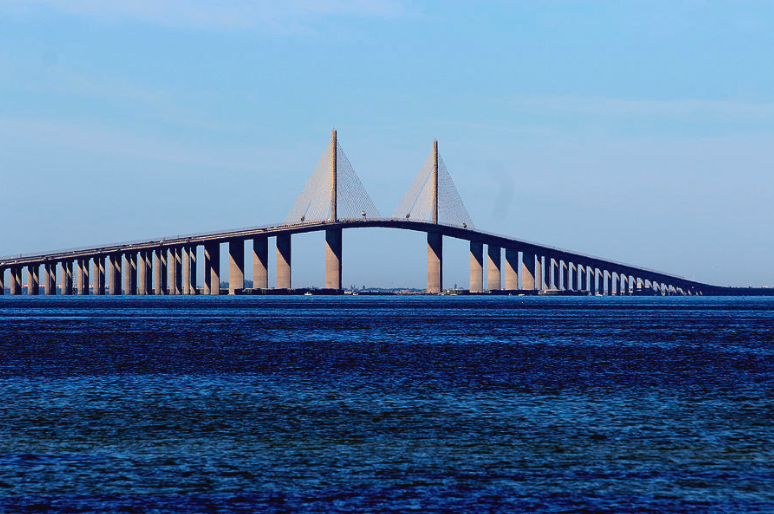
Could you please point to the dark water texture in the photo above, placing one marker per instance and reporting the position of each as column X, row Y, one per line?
column 384, row 404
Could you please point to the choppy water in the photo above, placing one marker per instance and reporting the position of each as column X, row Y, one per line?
column 387, row 404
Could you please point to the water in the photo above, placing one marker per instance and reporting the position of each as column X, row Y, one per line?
column 319, row 404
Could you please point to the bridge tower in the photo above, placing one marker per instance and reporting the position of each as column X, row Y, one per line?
column 333, row 235
column 434, row 239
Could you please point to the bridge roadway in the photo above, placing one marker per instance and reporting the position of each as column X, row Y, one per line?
column 563, row 270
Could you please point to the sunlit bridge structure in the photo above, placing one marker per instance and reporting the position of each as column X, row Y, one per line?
column 333, row 200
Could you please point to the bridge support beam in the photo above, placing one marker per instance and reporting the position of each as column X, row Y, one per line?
column 212, row 269
column 236, row 266
column 283, row 261
column 261, row 263
column 511, row 269
column 476, row 267
column 333, row 245
column 434, row 262
column 493, row 279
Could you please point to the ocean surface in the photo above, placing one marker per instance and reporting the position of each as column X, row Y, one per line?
column 386, row 404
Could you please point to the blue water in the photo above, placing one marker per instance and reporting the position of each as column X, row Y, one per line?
column 354, row 404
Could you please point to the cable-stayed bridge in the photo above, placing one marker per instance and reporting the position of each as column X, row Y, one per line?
column 334, row 199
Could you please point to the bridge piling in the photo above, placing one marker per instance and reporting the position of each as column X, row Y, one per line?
column 539, row 273
column 142, row 270
column 333, row 247
column 158, row 273
column 212, row 269
column 434, row 262
column 261, row 263
column 15, row 281
column 493, row 279
column 2, row 281
column 476, row 267
column 32, row 279
column 186, row 270
column 527, row 271
column 236, row 266
column 511, row 268
column 192, row 284
column 173, row 271
column 283, row 261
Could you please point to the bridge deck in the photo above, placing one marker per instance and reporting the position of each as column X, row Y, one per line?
column 457, row 232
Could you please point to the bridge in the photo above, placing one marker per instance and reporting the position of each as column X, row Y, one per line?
column 334, row 199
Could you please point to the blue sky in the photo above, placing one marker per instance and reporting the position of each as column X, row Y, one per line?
column 640, row 131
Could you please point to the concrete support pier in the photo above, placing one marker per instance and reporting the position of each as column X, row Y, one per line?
column 2, row 281
column 192, row 285
column 236, row 266
column 186, row 256
column 476, row 267
column 173, row 271
column 15, row 281
column 283, row 261
column 528, row 271
column 114, row 274
column 83, row 277
column 434, row 262
column 212, row 269
column 142, row 274
column 157, row 272
column 493, row 279
column 32, row 279
column 51, row 278
column 99, row 275
column 539, row 273
column 511, row 269
column 261, row 263
column 565, row 277
column 333, row 246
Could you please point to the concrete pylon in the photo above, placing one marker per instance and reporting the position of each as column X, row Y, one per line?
column 283, row 261
column 334, row 177
column 434, row 179
column 539, row 273
column 32, row 279
column 173, row 271
column 511, row 269
column 2, row 281
column 186, row 271
column 434, row 262
column 333, row 250
column 528, row 271
column 476, row 267
column 212, row 269
column 51, row 282
column 261, row 263
column 157, row 272
column 192, row 284
column 236, row 266
column 15, row 281
column 493, row 281
column 565, row 278
column 142, row 272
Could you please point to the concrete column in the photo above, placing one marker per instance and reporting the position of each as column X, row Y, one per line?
column 50, row 278
column 79, row 276
column 2, row 281
column 236, row 266
column 212, row 269
column 476, row 267
column 173, row 271
column 46, row 278
column 193, row 283
column 283, row 261
column 572, row 277
column 604, row 286
column 613, row 285
column 493, row 281
column 15, row 282
column 434, row 262
column 127, row 274
column 67, row 277
column 261, row 263
column 582, row 278
column 142, row 270
column 553, row 270
column 186, row 270
column 32, row 279
column 114, row 277
column 148, row 272
column 565, row 279
column 528, row 271
column 511, row 268
column 178, row 271
column 333, row 258
column 157, row 272
column 83, row 287
column 539, row 273
column 99, row 275
column 598, row 279
column 624, row 289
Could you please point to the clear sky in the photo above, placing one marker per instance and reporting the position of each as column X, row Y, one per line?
column 639, row 131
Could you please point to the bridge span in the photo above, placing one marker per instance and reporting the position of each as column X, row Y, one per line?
column 335, row 200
